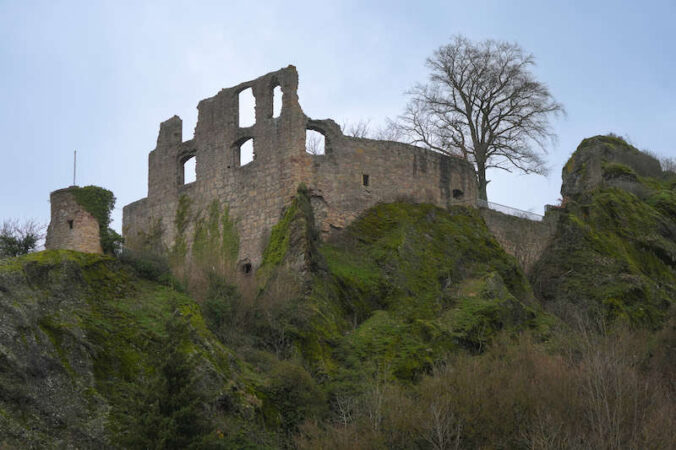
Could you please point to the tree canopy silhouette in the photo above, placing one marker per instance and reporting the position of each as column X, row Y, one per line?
column 482, row 103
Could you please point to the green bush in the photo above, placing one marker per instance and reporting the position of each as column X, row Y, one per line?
column 291, row 397
column 220, row 306
column 19, row 239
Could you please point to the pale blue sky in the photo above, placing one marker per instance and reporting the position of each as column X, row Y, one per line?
column 99, row 76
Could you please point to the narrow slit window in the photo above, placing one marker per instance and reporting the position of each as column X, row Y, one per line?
column 314, row 142
column 365, row 179
column 190, row 170
column 70, row 224
column 247, row 108
column 277, row 102
column 246, row 152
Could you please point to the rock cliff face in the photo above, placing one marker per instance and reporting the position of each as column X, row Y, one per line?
column 614, row 251
column 602, row 161
column 79, row 334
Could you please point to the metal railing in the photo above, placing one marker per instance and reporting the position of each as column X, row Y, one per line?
column 509, row 210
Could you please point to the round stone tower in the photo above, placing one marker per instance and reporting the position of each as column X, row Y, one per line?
column 71, row 226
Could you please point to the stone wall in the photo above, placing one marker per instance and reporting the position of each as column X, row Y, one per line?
column 352, row 175
column 71, row 226
column 522, row 238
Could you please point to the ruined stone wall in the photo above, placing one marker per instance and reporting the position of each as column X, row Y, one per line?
column 354, row 174
column 71, row 226
column 255, row 194
column 520, row 237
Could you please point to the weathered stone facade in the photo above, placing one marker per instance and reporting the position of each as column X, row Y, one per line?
column 71, row 227
column 352, row 175
column 522, row 238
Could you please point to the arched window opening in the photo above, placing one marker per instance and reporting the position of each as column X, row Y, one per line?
column 315, row 142
column 189, row 173
column 458, row 194
column 244, row 154
column 247, row 108
column 276, row 102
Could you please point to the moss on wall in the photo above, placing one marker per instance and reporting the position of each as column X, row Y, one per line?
column 99, row 202
column 215, row 243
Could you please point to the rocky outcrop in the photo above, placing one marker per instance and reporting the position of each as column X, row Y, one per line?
column 606, row 160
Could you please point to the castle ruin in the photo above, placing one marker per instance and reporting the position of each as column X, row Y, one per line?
column 352, row 174
column 71, row 226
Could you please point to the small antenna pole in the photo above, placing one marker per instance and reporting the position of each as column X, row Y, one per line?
column 74, row 165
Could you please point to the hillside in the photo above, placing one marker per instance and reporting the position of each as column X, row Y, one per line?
column 82, row 339
column 411, row 328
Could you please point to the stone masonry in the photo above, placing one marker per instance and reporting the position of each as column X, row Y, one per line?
column 71, row 226
column 352, row 175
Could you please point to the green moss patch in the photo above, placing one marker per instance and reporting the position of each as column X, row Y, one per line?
column 613, row 256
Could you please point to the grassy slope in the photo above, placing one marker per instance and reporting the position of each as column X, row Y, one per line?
column 81, row 334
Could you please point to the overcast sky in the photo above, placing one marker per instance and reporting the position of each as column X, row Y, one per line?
column 99, row 76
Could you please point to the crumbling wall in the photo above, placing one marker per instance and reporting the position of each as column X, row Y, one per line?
column 354, row 174
column 522, row 238
column 71, row 227
column 255, row 194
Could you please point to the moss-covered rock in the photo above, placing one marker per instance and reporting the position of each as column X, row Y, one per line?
column 78, row 337
column 399, row 288
column 606, row 160
column 614, row 252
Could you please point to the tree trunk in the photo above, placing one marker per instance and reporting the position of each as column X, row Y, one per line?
column 481, row 178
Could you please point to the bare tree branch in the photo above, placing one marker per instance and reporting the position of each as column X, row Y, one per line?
column 482, row 103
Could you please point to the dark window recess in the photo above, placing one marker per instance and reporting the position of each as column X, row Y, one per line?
column 458, row 194
column 246, row 268
column 70, row 224
column 365, row 179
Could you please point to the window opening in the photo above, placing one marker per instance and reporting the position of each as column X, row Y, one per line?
column 70, row 224
column 246, row 268
column 365, row 179
column 189, row 170
column 247, row 108
column 458, row 194
column 314, row 142
column 245, row 153
column 277, row 101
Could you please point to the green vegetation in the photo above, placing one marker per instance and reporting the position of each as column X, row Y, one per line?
column 181, row 222
column 117, row 340
column 411, row 328
column 613, row 254
column 99, row 202
column 215, row 240
column 17, row 239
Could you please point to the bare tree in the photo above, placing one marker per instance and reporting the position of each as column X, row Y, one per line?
column 314, row 143
column 667, row 163
column 19, row 238
column 483, row 104
column 359, row 129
